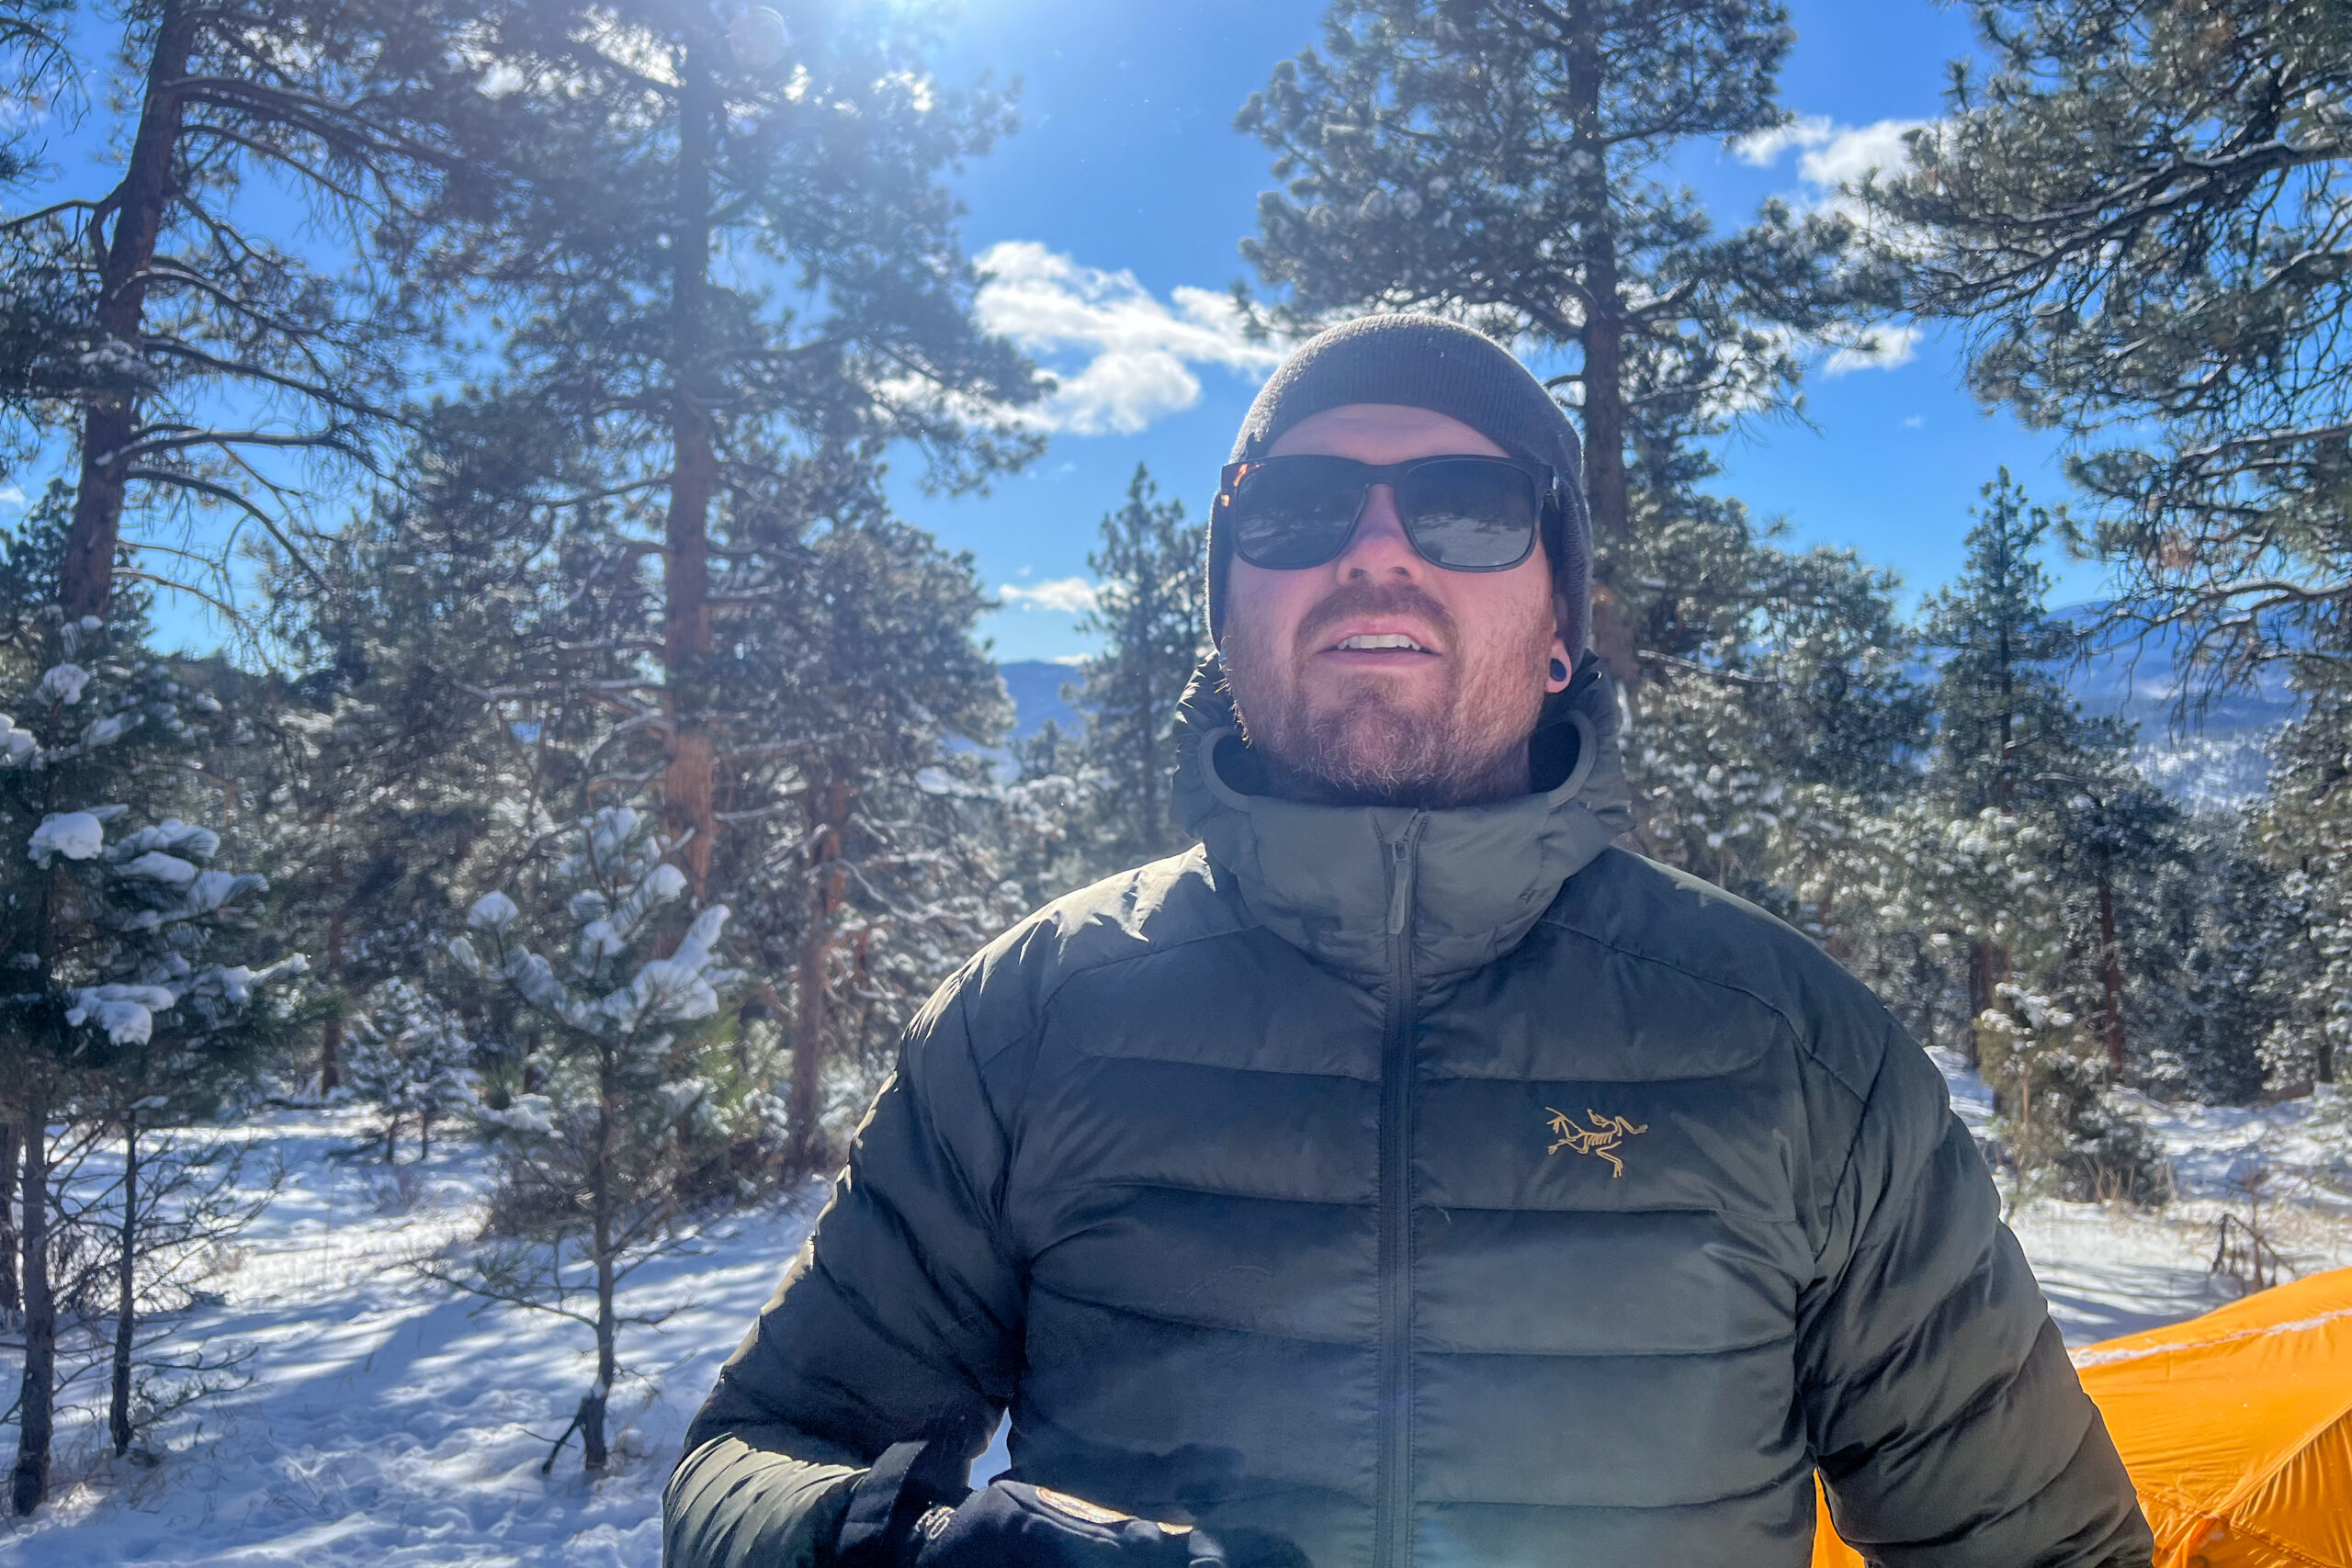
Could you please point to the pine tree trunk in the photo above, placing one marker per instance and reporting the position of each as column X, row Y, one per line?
column 126, row 1299
column 12, row 1301
column 830, row 808
column 35, row 1403
column 330, row 1053
column 1987, row 967
column 331, row 1036
column 807, row 1047
column 592, row 1408
column 1602, row 338
column 87, row 578
column 594, row 1455
column 689, row 779
column 1825, row 915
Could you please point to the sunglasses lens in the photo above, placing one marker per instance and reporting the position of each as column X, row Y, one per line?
column 1295, row 512
column 1470, row 516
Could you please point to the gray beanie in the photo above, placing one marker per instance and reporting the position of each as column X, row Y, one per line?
column 1422, row 362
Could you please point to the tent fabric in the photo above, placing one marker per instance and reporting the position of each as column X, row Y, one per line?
column 2236, row 1427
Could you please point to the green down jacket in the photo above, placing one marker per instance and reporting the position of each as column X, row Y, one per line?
column 1385, row 1188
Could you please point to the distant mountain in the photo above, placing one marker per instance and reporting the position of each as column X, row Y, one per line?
column 2212, row 753
column 1035, row 687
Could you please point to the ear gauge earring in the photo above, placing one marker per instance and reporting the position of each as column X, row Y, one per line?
column 1559, row 671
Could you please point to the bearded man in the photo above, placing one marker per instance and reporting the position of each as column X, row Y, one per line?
column 1403, row 1177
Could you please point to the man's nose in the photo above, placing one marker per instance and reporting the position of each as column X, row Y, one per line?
column 1378, row 550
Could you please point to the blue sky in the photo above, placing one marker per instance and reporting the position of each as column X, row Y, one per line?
column 1112, row 219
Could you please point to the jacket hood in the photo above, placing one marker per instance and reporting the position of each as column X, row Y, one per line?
column 1326, row 878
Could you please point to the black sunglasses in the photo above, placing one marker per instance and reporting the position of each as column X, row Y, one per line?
column 1465, row 513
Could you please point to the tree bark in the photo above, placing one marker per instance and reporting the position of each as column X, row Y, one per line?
column 592, row 1407
column 35, row 1403
column 86, row 580
column 828, row 805
column 330, row 1035
column 1602, row 335
column 1988, row 965
column 125, row 1301
column 12, row 1301
column 689, row 779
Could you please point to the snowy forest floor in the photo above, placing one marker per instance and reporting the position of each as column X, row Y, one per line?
column 389, row 1423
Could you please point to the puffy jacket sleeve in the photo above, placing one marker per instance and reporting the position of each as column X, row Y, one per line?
column 1946, row 1422
column 901, row 1315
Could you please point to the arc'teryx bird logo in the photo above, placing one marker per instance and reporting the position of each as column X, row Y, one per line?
column 1601, row 1137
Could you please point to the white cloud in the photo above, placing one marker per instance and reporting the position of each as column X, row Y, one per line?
column 1068, row 595
column 1832, row 160
column 1763, row 148
column 1134, row 354
column 1913, row 421
column 1831, row 157
column 12, row 495
column 1886, row 348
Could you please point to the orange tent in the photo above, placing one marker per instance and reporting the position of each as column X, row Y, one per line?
column 2236, row 1427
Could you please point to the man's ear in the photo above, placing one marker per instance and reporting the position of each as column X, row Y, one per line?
column 1562, row 658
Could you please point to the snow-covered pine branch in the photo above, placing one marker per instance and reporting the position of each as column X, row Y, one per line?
column 138, row 994
column 625, row 1099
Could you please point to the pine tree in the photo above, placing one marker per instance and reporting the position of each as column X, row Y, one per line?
column 42, row 322
column 410, row 1058
column 178, row 915
column 1510, row 164
column 2120, row 840
column 116, row 934
column 1995, row 904
column 193, row 345
column 440, row 674
column 865, row 875
column 2133, row 207
column 462, row 675
column 1775, row 728
column 2005, row 723
column 629, row 1113
column 2229, row 955
column 1149, row 611
column 2005, row 720
column 731, row 278
column 2305, row 833
column 2013, row 741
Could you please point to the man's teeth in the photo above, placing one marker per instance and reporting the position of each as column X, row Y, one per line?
column 1381, row 640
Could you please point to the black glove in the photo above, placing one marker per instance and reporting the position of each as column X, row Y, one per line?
column 1010, row 1524
column 912, row 1510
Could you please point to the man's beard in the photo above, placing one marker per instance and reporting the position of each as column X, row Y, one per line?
column 1364, row 746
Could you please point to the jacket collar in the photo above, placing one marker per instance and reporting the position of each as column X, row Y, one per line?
column 1324, row 877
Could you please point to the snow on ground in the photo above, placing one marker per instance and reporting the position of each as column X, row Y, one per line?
column 392, row 1424
column 2111, row 1269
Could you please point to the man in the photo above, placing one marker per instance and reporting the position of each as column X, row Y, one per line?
column 1405, row 1175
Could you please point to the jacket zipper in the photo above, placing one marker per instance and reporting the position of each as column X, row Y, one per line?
column 1393, row 1514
